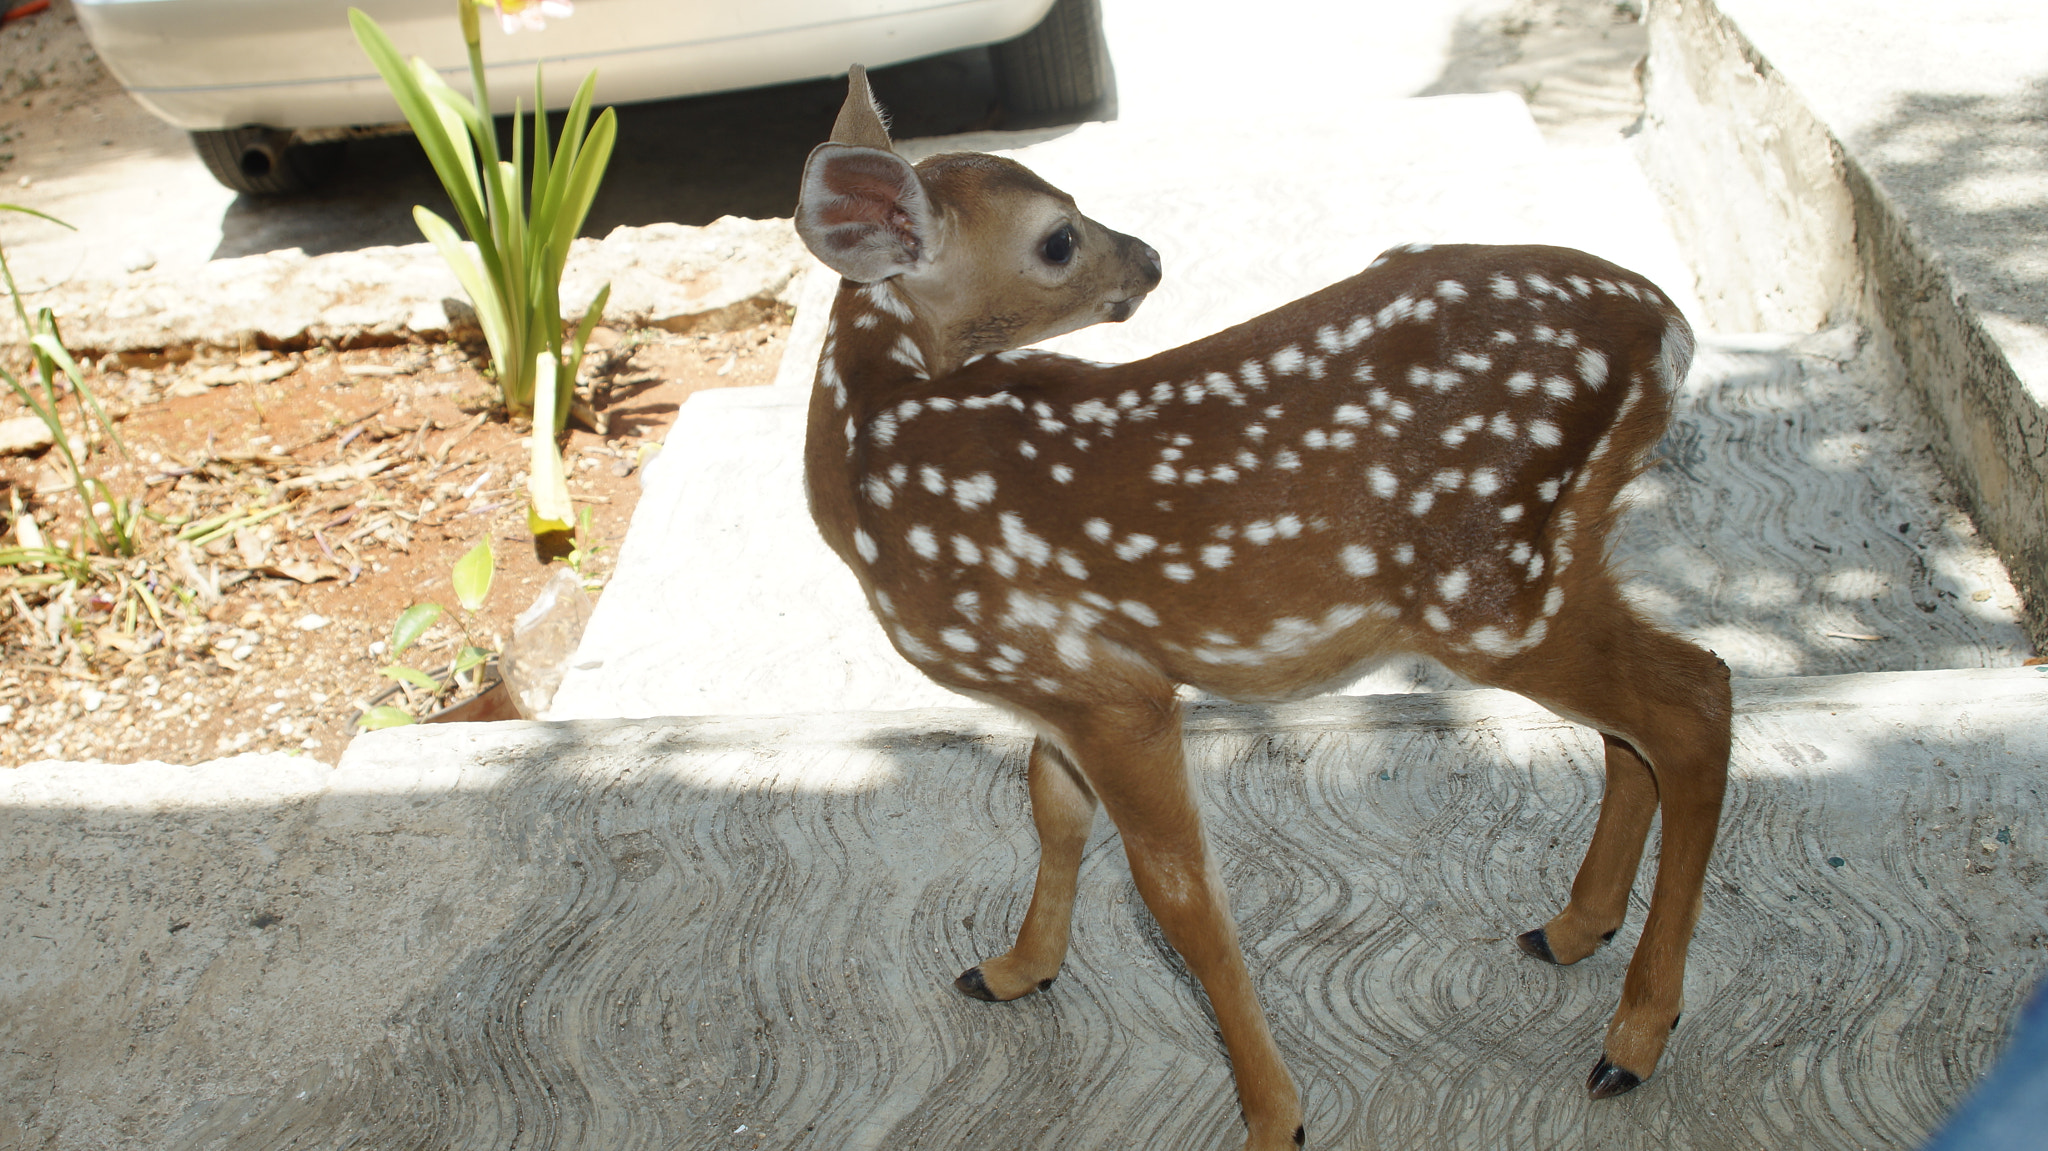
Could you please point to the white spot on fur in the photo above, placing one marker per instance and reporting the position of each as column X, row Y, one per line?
column 1593, row 367
column 1286, row 361
column 1511, row 513
column 1217, row 555
column 1061, row 473
column 1434, row 616
column 865, row 545
column 923, row 542
column 1452, row 585
column 1098, row 530
column 1178, row 572
column 1545, row 433
column 1135, row 547
column 975, row 491
column 1503, row 287
column 1485, row 481
column 965, row 551
column 1384, row 485
column 1358, row 560
column 959, row 639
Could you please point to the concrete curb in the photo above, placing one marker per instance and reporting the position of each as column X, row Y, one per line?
column 1802, row 231
column 728, row 273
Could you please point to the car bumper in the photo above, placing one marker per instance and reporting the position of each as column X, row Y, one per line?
column 208, row 64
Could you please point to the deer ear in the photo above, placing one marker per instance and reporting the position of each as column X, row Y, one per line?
column 864, row 212
column 861, row 121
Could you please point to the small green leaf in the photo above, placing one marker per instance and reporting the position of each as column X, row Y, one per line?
column 412, row 624
column 472, row 576
column 468, row 658
column 411, row 675
column 381, row 717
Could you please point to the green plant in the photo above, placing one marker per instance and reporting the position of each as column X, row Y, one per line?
column 471, row 576
column 519, row 239
column 586, row 549
column 115, row 537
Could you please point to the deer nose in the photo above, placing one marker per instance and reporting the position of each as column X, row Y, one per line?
column 1153, row 271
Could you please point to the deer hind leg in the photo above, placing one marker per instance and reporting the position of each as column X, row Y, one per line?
column 1599, row 900
column 1134, row 759
column 1063, row 808
column 1661, row 703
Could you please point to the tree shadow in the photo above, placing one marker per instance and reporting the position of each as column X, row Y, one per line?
column 1970, row 174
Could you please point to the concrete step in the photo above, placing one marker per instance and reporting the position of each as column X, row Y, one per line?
column 740, row 932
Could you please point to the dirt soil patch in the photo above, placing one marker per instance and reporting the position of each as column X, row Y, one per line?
column 354, row 478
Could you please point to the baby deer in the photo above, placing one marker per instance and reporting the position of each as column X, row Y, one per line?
column 1421, row 459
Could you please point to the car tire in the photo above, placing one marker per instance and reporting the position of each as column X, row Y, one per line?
column 1059, row 67
column 266, row 161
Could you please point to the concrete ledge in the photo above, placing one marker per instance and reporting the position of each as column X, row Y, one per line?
column 727, row 273
column 739, row 932
column 1792, row 143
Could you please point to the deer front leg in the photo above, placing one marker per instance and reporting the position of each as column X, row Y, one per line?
column 1064, row 809
column 1143, row 784
column 1599, row 899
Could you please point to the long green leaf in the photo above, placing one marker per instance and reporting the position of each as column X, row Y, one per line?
column 453, row 116
column 455, row 168
column 484, row 293
column 584, row 177
column 543, row 161
column 546, row 206
column 584, row 326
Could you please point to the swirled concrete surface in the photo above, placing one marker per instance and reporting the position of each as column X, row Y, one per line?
column 740, row 933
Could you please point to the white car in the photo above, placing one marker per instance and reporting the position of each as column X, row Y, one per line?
column 271, row 89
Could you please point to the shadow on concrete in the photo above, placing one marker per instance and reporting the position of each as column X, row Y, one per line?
column 689, row 161
column 1971, row 173
column 1573, row 61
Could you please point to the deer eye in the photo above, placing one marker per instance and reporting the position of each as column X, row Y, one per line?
column 1059, row 247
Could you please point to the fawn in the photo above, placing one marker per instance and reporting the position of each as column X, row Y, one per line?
column 1424, row 458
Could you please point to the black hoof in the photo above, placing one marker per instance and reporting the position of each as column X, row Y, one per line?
column 1609, row 936
column 1045, row 983
column 971, row 984
column 1300, row 1136
column 1607, row 1080
column 1537, row 944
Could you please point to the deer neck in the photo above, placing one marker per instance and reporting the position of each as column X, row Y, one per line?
column 876, row 349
